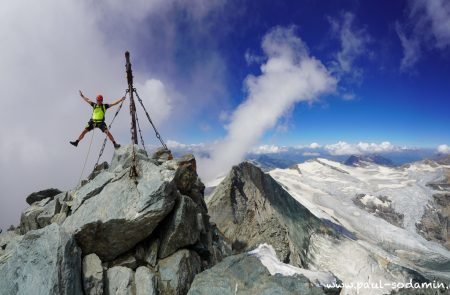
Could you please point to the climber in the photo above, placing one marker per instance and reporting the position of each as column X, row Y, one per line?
column 98, row 118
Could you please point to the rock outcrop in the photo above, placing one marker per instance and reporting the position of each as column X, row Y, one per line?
column 380, row 206
column 435, row 222
column 115, row 234
column 44, row 194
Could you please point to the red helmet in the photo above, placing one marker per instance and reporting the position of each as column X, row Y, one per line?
column 99, row 97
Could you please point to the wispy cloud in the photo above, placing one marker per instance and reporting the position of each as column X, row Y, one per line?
column 411, row 49
column 427, row 27
column 290, row 75
column 344, row 148
column 353, row 45
column 432, row 18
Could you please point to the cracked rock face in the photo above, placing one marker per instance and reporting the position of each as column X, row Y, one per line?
column 45, row 261
column 122, row 213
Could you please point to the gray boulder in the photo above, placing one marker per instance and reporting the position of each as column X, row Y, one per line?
column 178, row 271
column 45, row 261
column 44, row 194
column 92, row 275
column 245, row 274
column 123, row 157
column 161, row 155
column 49, row 210
column 182, row 228
column 123, row 213
column 146, row 281
column 186, row 175
column 120, row 281
column 28, row 219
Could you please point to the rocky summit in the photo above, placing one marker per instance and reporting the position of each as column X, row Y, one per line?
column 114, row 234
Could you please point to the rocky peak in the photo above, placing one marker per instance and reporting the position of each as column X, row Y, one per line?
column 120, row 235
column 250, row 208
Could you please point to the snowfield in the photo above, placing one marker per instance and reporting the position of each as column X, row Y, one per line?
column 376, row 250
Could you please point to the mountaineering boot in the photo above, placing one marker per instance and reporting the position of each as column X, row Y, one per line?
column 116, row 145
column 74, row 143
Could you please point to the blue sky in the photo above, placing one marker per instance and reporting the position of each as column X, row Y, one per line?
column 228, row 76
column 406, row 106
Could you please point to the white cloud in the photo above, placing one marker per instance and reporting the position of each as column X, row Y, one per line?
column 315, row 145
column 290, row 75
column 344, row 148
column 155, row 94
column 268, row 149
column 444, row 149
column 354, row 42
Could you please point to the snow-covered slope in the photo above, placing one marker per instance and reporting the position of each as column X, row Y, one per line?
column 379, row 206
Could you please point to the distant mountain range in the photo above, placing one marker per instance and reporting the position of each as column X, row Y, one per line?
column 355, row 160
column 286, row 159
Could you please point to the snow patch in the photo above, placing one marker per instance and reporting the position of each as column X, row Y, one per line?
column 268, row 257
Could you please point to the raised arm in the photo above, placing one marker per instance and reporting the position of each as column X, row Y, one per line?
column 85, row 98
column 117, row 101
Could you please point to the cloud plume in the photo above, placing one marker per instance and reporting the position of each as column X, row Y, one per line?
column 290, row 75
